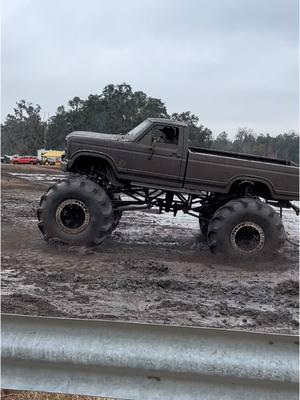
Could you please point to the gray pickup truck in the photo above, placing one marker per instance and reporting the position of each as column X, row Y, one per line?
column 153, row 166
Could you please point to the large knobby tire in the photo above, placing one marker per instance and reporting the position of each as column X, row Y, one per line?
column 203, row 227
column 76, row 211
column 117, row 214
column 245, row 227
column 205, row 216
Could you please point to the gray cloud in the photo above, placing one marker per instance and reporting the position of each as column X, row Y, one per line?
column 234, row 63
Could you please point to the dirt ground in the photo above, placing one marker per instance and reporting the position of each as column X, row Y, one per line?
column 19, row 395
column 154, row 268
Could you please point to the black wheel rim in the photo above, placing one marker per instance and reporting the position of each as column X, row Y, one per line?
column 72, row 216
column 247, row 238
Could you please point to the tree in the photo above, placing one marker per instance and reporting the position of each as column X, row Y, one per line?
column 288, row 146
column 187, row 117
column 58, row 127
column 117, row 109
column 23, row 131
column 124, row 109
column 222, row 142
column 199, row 136
column 76, row 103
column 244, row 141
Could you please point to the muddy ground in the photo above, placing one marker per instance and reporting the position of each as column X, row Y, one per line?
column 154, row 268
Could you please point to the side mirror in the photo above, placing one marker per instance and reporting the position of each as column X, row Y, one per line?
column 154, row 141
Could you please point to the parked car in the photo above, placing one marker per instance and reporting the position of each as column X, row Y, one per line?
column 5, row 159
column 25, row 160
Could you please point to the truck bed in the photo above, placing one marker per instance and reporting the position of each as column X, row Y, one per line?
column 217, row 171
column 243, row 156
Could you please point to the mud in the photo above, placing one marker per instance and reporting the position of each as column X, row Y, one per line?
column 154, row 268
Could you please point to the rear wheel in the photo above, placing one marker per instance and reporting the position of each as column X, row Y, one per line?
column 245, row 227
column 205, row 216
column 76, row 211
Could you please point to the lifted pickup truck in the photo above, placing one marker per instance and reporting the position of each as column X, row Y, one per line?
column 153, row 166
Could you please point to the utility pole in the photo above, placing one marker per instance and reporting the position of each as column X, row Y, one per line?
column 45, row 133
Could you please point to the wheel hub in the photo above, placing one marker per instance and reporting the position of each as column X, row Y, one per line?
column 247, row 238
column 72, row 216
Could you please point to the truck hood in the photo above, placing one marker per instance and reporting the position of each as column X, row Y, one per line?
column 95, row 135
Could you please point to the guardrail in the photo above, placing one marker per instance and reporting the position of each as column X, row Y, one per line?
column 139, row 361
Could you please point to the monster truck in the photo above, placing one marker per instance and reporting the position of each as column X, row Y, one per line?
column 233, row 195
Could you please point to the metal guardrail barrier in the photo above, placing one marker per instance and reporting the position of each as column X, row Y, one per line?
column 139, row 361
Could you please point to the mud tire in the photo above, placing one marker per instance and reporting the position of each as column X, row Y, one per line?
column 203, row 227
column 96, row 210
column 251, row 218
column 117, row 214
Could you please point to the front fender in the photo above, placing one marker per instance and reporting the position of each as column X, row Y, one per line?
column 69, row 163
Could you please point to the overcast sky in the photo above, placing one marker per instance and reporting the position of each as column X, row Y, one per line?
column 234, row 63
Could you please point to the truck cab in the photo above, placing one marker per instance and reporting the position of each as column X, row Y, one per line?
column 154, row 152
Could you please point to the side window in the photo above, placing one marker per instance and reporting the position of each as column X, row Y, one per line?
column 165, row 135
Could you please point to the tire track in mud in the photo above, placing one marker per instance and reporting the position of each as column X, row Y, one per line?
column 152, row 292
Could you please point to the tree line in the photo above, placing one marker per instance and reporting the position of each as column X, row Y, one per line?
column 117, row 110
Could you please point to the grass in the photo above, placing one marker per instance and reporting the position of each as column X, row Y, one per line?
column 17, row 395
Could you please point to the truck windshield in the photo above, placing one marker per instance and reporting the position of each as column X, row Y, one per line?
column 135, row 132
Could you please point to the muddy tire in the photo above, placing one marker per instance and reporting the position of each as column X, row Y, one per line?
column 117, row 214
column 206, row 213
column 245, row 228
column 203, row 227
column 76, row 211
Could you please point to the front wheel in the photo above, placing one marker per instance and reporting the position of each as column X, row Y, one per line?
column 245, row 227
column 76, row 211
column 115, row 198
column 203, row 227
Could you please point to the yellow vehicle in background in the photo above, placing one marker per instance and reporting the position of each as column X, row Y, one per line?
column 52, row 157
